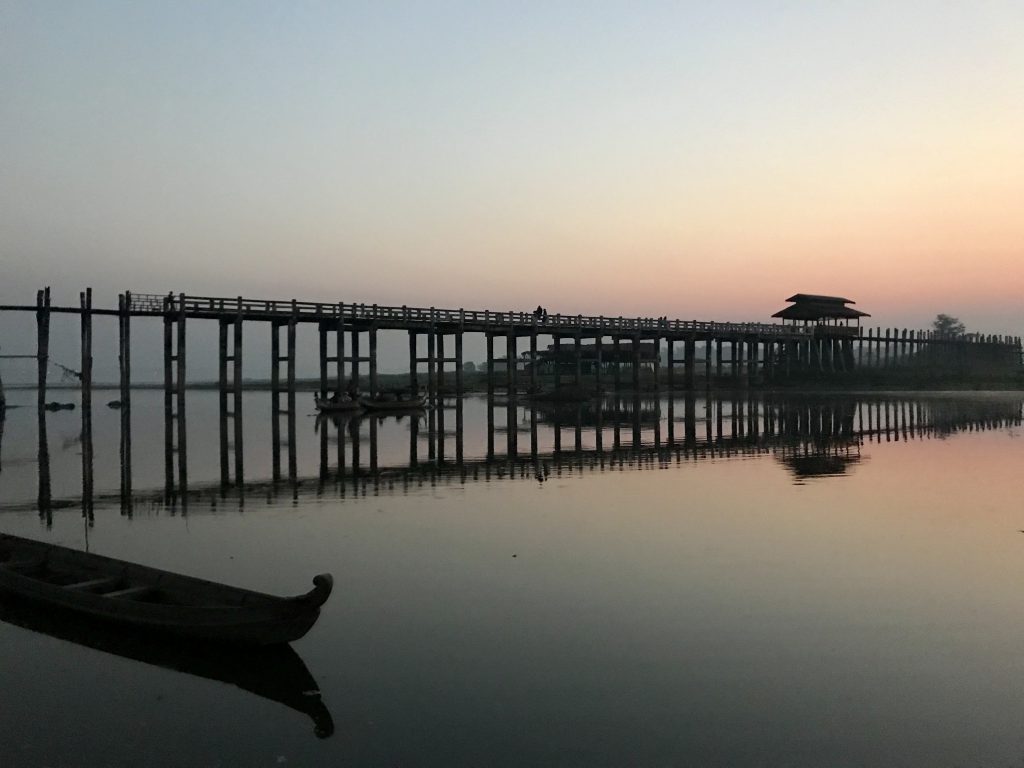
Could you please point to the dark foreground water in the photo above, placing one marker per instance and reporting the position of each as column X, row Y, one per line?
column 741, row 582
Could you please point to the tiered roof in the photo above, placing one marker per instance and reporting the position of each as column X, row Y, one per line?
column 812, row 306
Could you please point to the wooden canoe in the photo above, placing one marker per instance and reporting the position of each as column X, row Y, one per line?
column 335, row 406
column 154, row 600
column 410, row 404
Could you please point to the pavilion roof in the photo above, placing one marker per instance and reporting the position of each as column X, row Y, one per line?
column 810, row 306
column 819, row 297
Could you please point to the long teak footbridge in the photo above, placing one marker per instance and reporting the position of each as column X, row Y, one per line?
column 755, row 350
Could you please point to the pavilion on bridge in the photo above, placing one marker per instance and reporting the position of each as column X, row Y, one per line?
column 832, row 312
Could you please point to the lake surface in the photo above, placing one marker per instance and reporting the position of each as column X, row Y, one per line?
column 748, row 580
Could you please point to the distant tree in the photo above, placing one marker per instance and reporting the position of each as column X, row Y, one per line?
column 469, row 367
column 947, row 325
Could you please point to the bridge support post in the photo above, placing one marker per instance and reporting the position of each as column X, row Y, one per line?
column 617, row 355
column 292, row 460
column 373, row 360
column 125, row 368
column 432, row 363
column 322, row 338
column 490, row 369
column 339, row 358
column 354, row 360
column 182, row 432
column 413, row 362
column 236, row 370
column 636, row 365
column 670, row 364
column 441, row 361
column 510, row 367
column 578, row 373
column 168, row 397
column 460, row 391
column 460, row 387
column 598, row 363
column 689, row 361
column 85, row 299
column 42, row 342
column 558, row 360
column 222, row 398
column 533, row 358
column 275, row 399
column 657, row 361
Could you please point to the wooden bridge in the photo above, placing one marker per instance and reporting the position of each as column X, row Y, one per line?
column 757, row 351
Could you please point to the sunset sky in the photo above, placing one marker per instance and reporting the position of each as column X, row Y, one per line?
column 696, row 160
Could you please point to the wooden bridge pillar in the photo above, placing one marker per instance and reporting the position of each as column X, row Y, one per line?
column 510, row 367
column 222, row 398
column 533, row 358
column 354, row 359
column 85, row 302
column 617, row 354
column 578, row 347
column 174, row 396
column 432, row 363
column 490, row 368
column 413, row 362
column 339, row 348
column 442, row 360
column 373, row 359
column 557, row 339
column 657, row 360
column 636, row 363
column 670, row 363
column 182, row 432
column 125, row 369
column 292, row 459
column 689, row 361
column 168, row 397
column 322, row 339
column 460, row 387
column 85, row 314
column 598, row 363
column 236, row 370
column 42, row 342
column 275, row 399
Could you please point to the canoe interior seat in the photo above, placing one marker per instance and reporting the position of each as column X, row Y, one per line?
column 95, row 585
column 132, row 593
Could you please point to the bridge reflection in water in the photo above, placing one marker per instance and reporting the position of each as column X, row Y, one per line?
column 812, row 435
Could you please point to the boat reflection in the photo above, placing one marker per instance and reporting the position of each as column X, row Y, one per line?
column 276, row 674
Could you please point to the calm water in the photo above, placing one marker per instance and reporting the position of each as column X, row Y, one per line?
column 830, row 581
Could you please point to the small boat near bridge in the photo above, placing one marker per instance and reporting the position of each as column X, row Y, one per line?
column 151, row 599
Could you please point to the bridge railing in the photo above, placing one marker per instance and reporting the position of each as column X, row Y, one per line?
column 172, row 303
column 497, row 321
